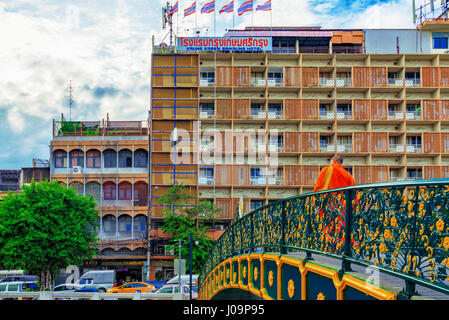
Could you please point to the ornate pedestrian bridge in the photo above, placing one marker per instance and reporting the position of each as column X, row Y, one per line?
column 379, row 241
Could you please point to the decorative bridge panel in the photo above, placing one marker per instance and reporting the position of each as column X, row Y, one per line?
column 401, row 229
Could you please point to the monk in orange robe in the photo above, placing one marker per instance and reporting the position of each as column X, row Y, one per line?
column 334, row 176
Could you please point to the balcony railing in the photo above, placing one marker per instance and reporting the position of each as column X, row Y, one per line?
column 412, row 82
column 316, row 49
column 396, row 147
column 413, row 148
column 344, row 115
column 276, row 181
column 100, row 128
column 395, row 115
column 413, row 115
column 392, row 82
column 207, row 114
column 344, row 147
column 275, row 115
column 258, row 82
column 327, row 148
column 258, row 180
column 207, row 82
column 274, row 82
column 325, row 82
column 255, row 114
column 327, row 115
column 275, row 148
column 343, row 82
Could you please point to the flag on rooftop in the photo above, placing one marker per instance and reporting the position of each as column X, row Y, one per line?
column 227, row 8
column 264, row 7
column 190, row 10
column 173, row 9
column 208, row 7
column 245, row 7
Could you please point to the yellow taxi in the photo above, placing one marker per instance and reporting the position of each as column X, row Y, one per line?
column 131, row 287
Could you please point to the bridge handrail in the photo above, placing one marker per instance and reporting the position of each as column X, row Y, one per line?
column 401, row 227
column 52, row 295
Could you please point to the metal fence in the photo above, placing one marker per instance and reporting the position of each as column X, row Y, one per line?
column 402, row 228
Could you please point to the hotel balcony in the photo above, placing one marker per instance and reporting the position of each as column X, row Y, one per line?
column 276, row 180
column 413, row 115
column 394, row 82
column 206, row 82
column 396, row 147
column 325, row 82
column 395, row 115
column 344, row 115
column 258, row 82
column 207, row 114
column 343, row 82
column 327, row 148
column 258, row 180
column 413, row 148
column 344, row 147
column 274, row 82
column 327, row 114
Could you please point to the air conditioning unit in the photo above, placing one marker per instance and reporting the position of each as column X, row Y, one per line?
column 168, row 252
column 210, row 117
column 278, row 183
column 446, row 51
column 76, row 170
column 210, row 181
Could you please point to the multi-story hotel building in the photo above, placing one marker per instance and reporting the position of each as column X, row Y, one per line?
column 259, row 126
column 378, row 97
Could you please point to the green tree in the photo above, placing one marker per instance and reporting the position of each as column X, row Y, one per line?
column 179, row 221
column 47, row 227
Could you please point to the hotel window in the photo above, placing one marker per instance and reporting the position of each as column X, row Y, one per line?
column 125, row 191
column 110, row 159
column 76, row 158
column 109, row 191
column 140, row 158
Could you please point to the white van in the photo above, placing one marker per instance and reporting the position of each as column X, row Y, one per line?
column 102, row 280
column 18, row 286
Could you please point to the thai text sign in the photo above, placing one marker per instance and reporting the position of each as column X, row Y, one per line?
column 225, row 44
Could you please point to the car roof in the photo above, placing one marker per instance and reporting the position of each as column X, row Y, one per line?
column 16, row 282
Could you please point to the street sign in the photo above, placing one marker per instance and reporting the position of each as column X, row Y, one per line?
column 176, row 266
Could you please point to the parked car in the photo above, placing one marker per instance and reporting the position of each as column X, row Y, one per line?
column 19, row 278
column 156, row 284
column 132, row 287
column 102, row 280
column 70, row 287
column 174, row 288
column 185, row 279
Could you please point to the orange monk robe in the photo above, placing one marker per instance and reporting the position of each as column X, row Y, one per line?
column 337, row 177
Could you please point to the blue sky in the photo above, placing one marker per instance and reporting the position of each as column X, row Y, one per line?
column 104, row 48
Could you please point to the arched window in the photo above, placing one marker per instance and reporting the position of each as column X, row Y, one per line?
column 110, row 158
column 107, row 252
column 78, row 186
column 76, row 158
column 93, row 158
column 125, row 191
column 93, row 189
column 140, row 223
column 125, row 158
column 109, row 190
column 109, row 224
column 124, row 223
column 60, row 157
column 140, row 158
column 141, row 193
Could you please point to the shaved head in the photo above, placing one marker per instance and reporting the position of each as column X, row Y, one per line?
column 337, row 159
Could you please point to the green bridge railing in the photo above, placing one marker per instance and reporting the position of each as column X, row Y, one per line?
column 402, row 228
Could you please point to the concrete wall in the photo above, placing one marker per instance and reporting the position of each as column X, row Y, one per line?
column 385, row 41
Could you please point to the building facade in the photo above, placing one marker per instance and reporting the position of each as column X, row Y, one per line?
column 315, row 93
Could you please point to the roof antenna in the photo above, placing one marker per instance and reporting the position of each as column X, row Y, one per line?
column 71, row 99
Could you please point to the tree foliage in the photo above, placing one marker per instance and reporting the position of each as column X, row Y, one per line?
column 47, row 227
column 182, row 216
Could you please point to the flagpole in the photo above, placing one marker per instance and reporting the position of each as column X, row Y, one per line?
column 233, row 14
column 214, row 20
